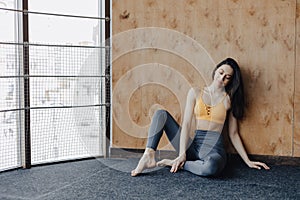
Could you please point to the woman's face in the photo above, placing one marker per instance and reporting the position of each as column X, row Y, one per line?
column 223, row 75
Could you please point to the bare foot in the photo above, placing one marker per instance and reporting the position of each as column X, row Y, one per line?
column 165, row 162
column 146, row 162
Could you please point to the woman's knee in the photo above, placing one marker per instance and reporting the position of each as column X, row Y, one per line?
column 160, row 113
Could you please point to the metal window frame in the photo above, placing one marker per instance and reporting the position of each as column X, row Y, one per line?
column 23, row 40
column 27, row 140
column 108, row 73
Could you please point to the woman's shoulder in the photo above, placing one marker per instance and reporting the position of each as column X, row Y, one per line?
column 195, row 91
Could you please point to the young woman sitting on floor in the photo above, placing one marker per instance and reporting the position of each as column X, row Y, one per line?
column 202, row 153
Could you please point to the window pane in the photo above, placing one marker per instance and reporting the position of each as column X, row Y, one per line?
column 70, row 7
column 67, row 116
column 65, row 133
column 57, row 132
column 10, row 59
column 7, row 4
column 7, row 21
column 63, row 30
column 66, row 83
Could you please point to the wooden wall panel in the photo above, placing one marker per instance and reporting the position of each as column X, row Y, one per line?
column 149, row 95
column 157, row 67
column 297, row 86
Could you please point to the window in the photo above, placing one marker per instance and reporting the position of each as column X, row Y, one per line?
column 53, row 86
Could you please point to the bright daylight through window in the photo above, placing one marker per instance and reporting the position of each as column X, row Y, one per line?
column 65, row 97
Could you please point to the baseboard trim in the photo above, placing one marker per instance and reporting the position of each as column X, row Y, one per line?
column 161, row 154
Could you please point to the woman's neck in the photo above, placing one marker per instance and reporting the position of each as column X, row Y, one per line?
column 213, row 88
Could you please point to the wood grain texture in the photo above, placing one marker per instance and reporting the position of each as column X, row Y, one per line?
column 297, row 86
column 190, row 38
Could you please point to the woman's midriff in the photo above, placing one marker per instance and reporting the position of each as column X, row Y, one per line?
column 208, row 125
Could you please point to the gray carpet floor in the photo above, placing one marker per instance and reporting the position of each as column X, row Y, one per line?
column 110, row 179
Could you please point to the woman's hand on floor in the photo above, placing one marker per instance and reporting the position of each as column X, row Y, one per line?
column 257, row 165
column 178, row 163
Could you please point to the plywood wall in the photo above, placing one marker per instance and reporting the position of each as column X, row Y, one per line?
column 296, row 147
column 161, row 48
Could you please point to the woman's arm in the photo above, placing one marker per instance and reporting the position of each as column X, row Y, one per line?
column 238, row 145
column 185, row 130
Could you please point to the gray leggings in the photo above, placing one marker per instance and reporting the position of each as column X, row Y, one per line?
column 205, row 155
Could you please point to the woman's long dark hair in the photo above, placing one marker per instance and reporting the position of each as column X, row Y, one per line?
column 235, row 88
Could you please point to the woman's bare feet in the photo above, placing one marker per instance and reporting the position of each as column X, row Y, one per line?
column 146, row 162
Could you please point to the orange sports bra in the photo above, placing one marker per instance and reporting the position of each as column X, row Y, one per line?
column 216, row 113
